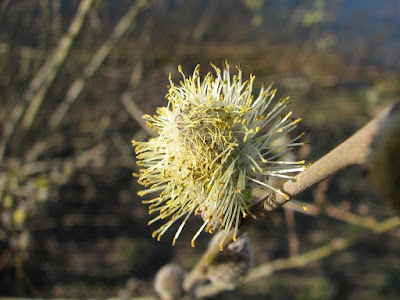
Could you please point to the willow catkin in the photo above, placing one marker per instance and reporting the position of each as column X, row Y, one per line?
column 217, row 140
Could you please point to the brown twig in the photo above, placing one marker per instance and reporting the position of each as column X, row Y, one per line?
column 335, row 245
column 293, row 240
column 135, row 112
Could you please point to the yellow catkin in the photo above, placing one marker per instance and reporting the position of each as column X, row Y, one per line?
column 216, row 140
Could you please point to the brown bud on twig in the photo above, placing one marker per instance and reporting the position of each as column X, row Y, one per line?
column 169, row 282
column 232, row 264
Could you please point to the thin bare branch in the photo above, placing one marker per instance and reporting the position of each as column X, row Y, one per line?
column 293, row 240
column 125, row 23
column 135, row 112
column 3, row 9
column 44, row 78
column 336, row 245
column 46, row 75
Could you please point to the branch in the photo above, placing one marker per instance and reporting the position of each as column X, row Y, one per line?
column 135, row 112
column 267, row 269
column 44, row 77
column 353, row 151
column 94, row 64
column 301, row 260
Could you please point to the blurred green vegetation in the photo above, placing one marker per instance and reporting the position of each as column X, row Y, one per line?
column 71, row 224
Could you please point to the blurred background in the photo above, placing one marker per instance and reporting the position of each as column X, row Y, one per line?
column 75, row 78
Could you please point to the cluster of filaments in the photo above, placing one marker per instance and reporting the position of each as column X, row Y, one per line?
column 216, row 141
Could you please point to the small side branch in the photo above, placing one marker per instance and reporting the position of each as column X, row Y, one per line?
column 301, row 260
column 135, row 112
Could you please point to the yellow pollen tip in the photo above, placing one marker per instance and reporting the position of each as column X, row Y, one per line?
column 192, row 243
column 154, row 234
column 234, row 238
column 173, row 242
column 304, row 207
column 221, row 246
column 286, row 196
column 153, row 206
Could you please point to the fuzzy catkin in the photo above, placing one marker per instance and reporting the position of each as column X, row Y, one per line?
column 217, row 140
column 168, row 282
column 232, row 264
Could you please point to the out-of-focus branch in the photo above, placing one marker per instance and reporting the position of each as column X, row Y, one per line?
column 207, row 290
column 301, row 260
column 334, row 213
column 349, row 217
column 97, row 60
column 22, row 51
column 334, row 246
column 135, row 112
column 49, row 70
column 3, row 9
column 293, row 241
column 63, row 168
column 56, row 18
column 45, row 77
column 353, row 151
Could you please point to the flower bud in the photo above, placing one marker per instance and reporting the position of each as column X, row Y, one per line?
column 232, row 264
column 169, row 282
